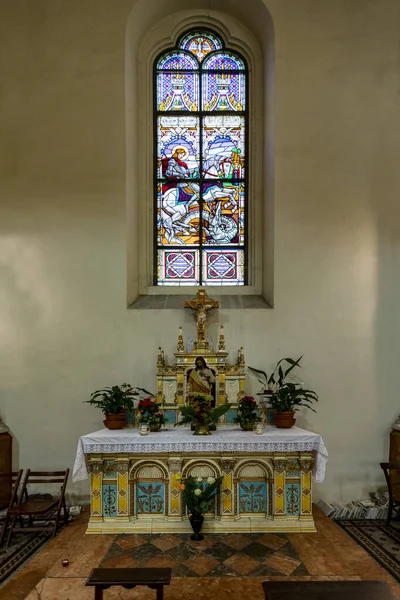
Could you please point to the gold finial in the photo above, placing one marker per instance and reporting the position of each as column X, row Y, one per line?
column 221, row 344
column 180, row 347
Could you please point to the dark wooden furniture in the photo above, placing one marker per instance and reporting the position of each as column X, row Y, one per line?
column 327, row 590
column 12, row 480
column 394, row 457
column 392, row 472
column 42, row 511
column 155, row 579
column 5, row 467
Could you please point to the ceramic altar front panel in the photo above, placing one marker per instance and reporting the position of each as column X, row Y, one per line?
column 138, row 493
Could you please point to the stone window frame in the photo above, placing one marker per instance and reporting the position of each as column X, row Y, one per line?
column 140, row 151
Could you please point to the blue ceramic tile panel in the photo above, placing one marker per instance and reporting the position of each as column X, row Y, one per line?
column 170, row 415
column 230, row 415
column 292, row 497
column 109, row 500
column 149, row 497
column 253, row 497
column 109, row 471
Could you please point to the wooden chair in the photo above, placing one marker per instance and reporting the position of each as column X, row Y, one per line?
column 14, row 479
column 40, row 510
column 392, row 476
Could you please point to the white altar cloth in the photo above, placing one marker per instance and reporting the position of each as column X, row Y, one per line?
column 227, row 439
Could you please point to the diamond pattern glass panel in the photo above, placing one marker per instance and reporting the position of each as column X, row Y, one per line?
column 224, row 91
column 223, row 267
column 177, row 91
column 224, row 61
column 177, row 61
column 178, row 267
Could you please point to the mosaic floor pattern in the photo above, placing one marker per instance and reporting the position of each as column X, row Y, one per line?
column 218, row 555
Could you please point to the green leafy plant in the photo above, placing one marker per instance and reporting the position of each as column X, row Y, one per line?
column 247, row 411
column 198, row 492
column 114, row 400
column 290, row 396
column 200, row 410
column 149, row 412
column 279, row 374
column 284, row 396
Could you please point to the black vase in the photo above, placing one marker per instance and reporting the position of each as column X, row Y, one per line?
column 196, row 521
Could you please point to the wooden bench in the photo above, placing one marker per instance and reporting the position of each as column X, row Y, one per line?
column 327, row 590
column 155, row 579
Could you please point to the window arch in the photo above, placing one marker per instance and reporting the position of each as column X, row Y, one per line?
column 201, row 156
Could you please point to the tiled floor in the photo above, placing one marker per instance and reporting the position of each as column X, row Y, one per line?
column 224, row 566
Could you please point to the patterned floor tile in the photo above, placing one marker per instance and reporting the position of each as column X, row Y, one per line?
column 129, row 542
column 218, row 555
column 282, row 563
column 242, row 563
column 161, row 561
column 166, row 542
column 220, row 551
column 238, row 541
column 201, row 564
column 273, row 541
column 183, row 552
column 258, row 551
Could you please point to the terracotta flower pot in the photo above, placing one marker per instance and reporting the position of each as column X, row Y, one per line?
column 117, row 421
column 284, row 420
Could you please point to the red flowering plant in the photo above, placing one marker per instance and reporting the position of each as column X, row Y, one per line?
column 150, row 413
column 247, row 412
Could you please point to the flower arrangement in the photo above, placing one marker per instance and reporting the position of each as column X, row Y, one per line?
column 200, row 411
column 150, row 413
column 198, row 492
column 247, row 413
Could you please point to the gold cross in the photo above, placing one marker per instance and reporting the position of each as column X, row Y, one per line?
column 201, row 304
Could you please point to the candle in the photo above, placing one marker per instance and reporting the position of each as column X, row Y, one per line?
column 221, row 330
column 180, row 331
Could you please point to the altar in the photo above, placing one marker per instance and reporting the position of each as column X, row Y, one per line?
column 267, row 476
column 266, row 486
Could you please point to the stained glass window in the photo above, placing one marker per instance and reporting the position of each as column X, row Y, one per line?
column 201, row 163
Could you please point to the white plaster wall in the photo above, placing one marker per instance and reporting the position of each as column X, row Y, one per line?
column 64, row 326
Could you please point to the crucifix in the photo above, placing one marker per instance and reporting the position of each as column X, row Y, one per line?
column 202, row 304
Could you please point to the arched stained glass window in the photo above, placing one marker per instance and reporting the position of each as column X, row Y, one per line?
column 201, row 163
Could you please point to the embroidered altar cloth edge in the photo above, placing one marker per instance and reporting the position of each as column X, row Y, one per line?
column 175, row 441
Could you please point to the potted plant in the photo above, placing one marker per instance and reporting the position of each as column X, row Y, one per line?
column 200, row 413
column 197, row 493
column 149, row 412
column 114, row 401
column 285, row 397
column 247, row 414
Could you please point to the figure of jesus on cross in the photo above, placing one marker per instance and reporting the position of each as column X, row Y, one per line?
column 202, row 304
